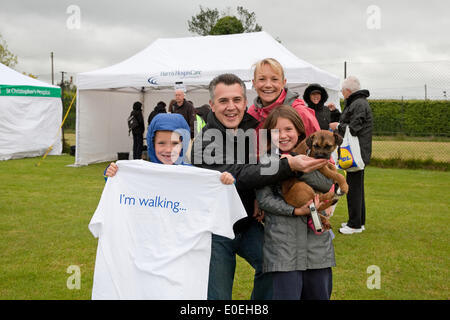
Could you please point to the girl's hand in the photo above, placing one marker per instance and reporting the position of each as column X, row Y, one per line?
column 226, row 178
column 258, row 214
column 112, row 170
column 304, row 210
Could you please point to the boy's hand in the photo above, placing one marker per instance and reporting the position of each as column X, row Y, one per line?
column 226, row 178
column 112, row 170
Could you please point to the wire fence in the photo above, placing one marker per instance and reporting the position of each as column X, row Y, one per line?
column 411, row 106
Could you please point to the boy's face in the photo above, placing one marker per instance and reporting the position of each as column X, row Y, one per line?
column 167, row 146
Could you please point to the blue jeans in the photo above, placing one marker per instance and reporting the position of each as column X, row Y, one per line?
column 248, row 245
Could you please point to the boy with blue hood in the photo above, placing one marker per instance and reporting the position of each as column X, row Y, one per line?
column 168, row 139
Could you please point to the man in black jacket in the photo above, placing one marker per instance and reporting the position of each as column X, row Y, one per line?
column 138, row 131
column 225, row 144
column 185, row 108
column 357, row 115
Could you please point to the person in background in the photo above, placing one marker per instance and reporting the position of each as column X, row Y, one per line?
column 315, row 97
column 185, row 108
column 160, row 108
column 138, row 131
column 357, row 115
column 201, row 114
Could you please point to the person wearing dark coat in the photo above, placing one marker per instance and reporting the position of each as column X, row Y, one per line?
column 357, row 115
column 138, row 139
column 203, row 111
column 160, row 108
column 185, row 108
column 315, row 97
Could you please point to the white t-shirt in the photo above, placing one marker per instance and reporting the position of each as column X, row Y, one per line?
column 154, row 224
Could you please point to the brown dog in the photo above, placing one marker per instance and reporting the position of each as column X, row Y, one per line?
column 319, row 145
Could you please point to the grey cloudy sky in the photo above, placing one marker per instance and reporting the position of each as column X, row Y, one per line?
column 410, row 48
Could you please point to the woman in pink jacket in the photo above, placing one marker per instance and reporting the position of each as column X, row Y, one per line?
column 269, row 83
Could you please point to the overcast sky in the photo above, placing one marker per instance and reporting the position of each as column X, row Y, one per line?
column 394, row 47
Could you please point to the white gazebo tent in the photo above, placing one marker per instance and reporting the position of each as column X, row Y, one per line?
column 30, row 116
column 105, row 96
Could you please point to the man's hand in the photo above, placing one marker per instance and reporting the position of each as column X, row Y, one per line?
column 305, row 164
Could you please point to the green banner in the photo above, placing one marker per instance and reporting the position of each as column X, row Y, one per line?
column 31, row 91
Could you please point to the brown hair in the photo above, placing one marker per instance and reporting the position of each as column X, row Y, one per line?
column 287, row 112
column 228, row 79
column 273, row 63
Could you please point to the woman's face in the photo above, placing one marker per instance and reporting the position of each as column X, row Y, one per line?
column 315, row 97
column 286, row 135
column 268, row 84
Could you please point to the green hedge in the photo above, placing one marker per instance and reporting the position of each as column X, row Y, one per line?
column 411, row 117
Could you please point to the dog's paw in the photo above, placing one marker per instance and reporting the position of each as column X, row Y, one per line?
column 341, row 190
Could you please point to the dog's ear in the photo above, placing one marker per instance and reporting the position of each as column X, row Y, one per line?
column 338, row 138
column 309, row 141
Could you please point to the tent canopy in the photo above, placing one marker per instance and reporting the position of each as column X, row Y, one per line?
column 105, row 96
column 30, row 116
column 197, row 60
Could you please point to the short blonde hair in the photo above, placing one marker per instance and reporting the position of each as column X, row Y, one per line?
column 273, row 63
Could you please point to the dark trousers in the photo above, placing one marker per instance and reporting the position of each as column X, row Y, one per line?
column 138, row 144
column 355, row 199
column 247, row 244
column 313, row 284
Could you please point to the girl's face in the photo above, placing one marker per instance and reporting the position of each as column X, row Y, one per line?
column 287, row 136
column 167, row 146
column 268, row 84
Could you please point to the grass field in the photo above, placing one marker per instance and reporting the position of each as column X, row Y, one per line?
column 46, row 210
column 436, row 150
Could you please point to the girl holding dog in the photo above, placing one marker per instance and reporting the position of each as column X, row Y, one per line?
column 299, row 259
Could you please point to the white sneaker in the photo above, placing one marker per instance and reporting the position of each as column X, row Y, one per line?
column 343, row 224
column 348, row 230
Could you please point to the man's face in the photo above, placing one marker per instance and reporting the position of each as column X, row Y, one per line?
column 229, row 104
column 346, row 93
column 179, row 97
